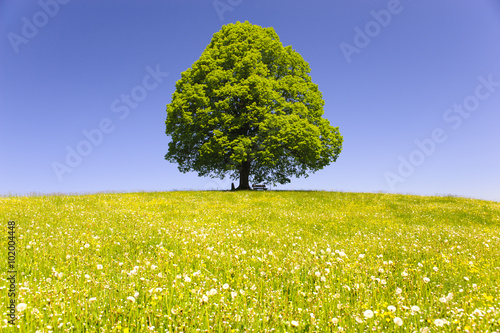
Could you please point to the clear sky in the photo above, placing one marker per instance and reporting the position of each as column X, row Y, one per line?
column 414, row 87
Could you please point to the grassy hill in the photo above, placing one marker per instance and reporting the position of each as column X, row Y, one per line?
column 253, row 262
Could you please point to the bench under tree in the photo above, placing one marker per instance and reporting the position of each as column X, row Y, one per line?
column 259, row 187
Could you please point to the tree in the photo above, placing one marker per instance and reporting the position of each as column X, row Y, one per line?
column 248, row 108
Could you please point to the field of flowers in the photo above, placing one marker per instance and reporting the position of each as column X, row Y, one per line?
column 253, row 262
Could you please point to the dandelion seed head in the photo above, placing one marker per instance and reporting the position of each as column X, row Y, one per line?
column 21, row 307
column 439, row 322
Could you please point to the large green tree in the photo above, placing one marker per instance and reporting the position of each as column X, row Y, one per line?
column 248, row 108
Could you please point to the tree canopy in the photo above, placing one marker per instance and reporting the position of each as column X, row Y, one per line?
column 247, row 108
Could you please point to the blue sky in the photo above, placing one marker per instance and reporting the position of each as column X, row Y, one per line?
column 414, row 87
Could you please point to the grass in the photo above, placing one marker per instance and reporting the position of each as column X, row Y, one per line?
column 254, row 262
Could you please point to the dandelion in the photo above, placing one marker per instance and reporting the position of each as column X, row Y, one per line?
column 439, row 322
column 398, row 321
column 92, row 299
column 424, row 330
column 361, row 256
column 466, row 278
column 415, row 308
column 391, row 308
column 368, row 314
column 295, row 323
column 234, row 294
column 478, row 312
column 87, row 246
column 131, row 299
column 435, row 269
column 323, row 279
column 449, row 297
column 359, row 320
column 383, row 282
column 153, row 267
column 204, row 299
column 242, row 292
column 187, row 279
column 443, row 299
column 426, row 279
column 87, row 276
column 404, row 274
column 99, row 266
column 136, row 294
column 335, row 321
column 318, row 274
column 21, row 307
column 399, row 291
column 225, row 286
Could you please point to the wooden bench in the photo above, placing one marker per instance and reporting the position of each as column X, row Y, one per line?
column 259, row 187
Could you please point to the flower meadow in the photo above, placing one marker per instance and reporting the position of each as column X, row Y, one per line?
column 250, row 261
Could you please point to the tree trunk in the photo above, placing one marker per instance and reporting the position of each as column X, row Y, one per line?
column 244, row 173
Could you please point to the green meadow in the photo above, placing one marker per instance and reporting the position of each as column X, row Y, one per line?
column 250, row 261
